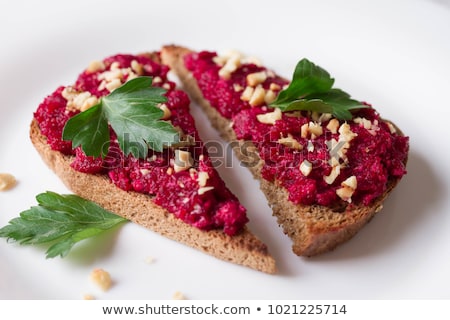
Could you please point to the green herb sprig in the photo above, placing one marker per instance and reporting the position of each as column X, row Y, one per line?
column 62, row 220
column 132, row 112
column 311, row 90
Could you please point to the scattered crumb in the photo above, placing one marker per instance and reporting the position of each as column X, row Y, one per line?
column 7, row 181
column 178, row 296
column 149, row 260
column 101, row 278
column 88, row 297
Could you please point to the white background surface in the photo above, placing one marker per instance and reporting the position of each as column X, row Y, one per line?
column 393, row 54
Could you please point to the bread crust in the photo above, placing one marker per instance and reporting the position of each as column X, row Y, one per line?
column 313, row 229
column 243, row 249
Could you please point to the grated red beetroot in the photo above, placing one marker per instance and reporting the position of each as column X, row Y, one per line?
column 178, row 192
column 373, row 159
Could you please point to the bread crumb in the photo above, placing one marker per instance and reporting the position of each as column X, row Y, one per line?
column 178, row 296
column 101, row 278
column 7, row 181
column 88, row 297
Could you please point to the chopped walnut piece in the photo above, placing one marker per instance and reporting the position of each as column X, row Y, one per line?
column 273, row 86
column 333, row 125
column 258, row 96
column 78, row 101
column 95, row 66
column 178, row 296
column 335, row 171
column 237, row 87
column 247, row 93
column 253, row 79
column 315, row 129
column 113, row 84
column 304, row 130
column 306, row 168
column 166, row 110
column 348, row 188
column 230, row 66
column 345, row 193
column 7, row 181
column 203, row 190
column 270, row 97
column 367, row 124
column 203, row 177
column 290, row 142
column 137, row 67
column 183, row 160
column 270, row 117
column 350, row 182
column 101, row 278
column 391, row 127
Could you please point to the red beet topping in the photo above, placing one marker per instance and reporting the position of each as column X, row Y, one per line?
column 373, row 157
column 177, row 192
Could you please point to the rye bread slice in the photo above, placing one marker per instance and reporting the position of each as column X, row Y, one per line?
column 243, row 249
column 313, row 229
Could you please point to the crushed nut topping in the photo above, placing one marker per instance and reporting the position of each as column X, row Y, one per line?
column 306, row 167
column 335, row 171
column 78, row 101
column 258, row 96
column 256, row 78
column 367, row 124
column 230, row 66
column 114, row 77
column 347, row 189
column 247, row 93
column 203, row 190
column 238, row 88
column 290, row 142
column 183, row 160
column 270, row 117
column 95, row 66
column 333, row 125
column 313, row 128
column 274, row 86
column 270, row 96
column 202, row 178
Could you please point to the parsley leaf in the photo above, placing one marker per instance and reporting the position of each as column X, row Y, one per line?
column 311, row 90
column 132, row 112
column 63, row 220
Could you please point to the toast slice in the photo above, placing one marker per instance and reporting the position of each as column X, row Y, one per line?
column 313, row 228
column 80, row 175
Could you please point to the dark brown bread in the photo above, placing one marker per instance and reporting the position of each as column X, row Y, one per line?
column 243, row 249
column 313, row 229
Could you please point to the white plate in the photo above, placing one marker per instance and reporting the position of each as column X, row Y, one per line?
column 394, row 54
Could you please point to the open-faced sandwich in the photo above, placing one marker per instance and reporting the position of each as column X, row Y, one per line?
column 325, row 162
column 122, row 136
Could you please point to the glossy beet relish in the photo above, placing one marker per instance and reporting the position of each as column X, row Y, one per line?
column 178, row 192
column 375, row 156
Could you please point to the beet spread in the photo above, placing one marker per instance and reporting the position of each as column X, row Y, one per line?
column 204, row 202
column 373, row 152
